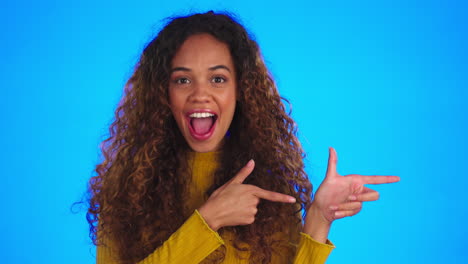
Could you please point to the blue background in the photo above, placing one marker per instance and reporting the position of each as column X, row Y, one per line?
column 384, row 82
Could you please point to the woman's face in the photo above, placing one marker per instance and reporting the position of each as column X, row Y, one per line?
column 202, row 91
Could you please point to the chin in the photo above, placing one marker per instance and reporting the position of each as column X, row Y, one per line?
column 204, row 147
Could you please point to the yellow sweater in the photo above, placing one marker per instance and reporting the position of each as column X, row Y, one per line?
column 195, row 240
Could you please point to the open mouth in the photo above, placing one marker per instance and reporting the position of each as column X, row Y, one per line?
column 202, row 124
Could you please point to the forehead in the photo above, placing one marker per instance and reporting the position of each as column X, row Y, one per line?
column 202, row 50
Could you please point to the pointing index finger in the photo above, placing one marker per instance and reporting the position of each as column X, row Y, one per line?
column 273, row 196
column 379, row 179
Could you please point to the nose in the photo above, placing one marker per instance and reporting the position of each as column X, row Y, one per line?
column 200, row 93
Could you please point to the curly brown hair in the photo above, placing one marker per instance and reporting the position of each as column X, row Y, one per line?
column 139, row 185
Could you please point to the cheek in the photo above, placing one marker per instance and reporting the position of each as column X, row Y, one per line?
column 174, row 101
column 230, row 104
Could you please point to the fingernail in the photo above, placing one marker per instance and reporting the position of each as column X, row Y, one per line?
column 250, row 163
column 352, row 197
column 292, row 199
column 333, row 207
column 338, row 214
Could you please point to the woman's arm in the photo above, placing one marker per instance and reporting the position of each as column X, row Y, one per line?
column 311, row 251
column 316, row 226
column 314, row 247
column 191, row 243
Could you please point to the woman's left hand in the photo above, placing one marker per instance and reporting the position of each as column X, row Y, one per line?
column 339, row 196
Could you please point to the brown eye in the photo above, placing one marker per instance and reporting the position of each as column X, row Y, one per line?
column 218, row 79
column 182, row 81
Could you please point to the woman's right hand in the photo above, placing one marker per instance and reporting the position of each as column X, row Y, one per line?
column 235, row 203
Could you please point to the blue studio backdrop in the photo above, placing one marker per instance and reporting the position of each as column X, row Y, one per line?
column 384, row 82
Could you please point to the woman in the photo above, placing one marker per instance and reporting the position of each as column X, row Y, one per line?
column 202, row 164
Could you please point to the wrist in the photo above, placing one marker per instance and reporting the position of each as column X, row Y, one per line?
column 316, row 225
column 209, row 218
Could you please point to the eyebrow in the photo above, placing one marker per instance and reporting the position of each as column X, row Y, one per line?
column 184, row 69
column 219, row 67
column 180, row 69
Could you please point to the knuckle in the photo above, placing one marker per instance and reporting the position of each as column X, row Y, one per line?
column 256, row 201
column 254, row 210
column 253, row 188
column 243, row 172
column 356, row 186
column 272, row 196
column 238, row 178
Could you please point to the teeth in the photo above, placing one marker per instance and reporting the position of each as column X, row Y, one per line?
column 201, row 115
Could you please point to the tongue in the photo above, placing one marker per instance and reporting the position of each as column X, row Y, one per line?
column 202, row 125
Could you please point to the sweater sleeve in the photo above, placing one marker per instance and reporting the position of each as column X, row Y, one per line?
column 310, row 251
column 191, row 243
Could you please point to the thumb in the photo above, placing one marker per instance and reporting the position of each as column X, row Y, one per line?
column 332, row 161
column 244, row 172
